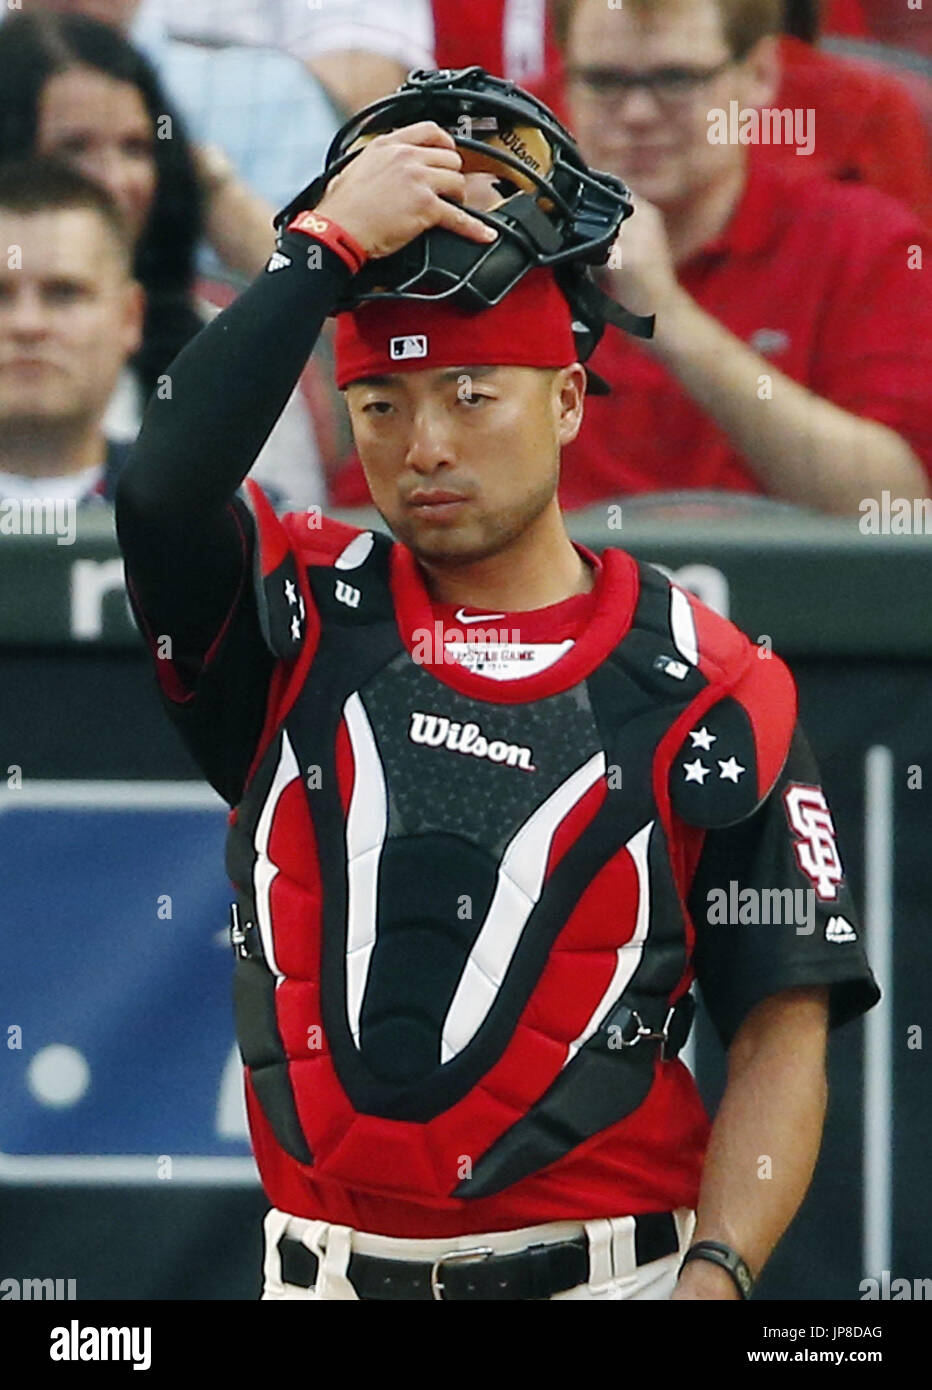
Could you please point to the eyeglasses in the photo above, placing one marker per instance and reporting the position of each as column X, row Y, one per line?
column 666, row 84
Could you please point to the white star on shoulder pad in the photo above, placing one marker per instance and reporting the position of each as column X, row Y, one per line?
column 702, row 738
column 290, row 592
column 731, row 770
column 696, row 772
column 295, row 628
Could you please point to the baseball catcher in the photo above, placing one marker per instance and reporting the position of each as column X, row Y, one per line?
column 496, row 800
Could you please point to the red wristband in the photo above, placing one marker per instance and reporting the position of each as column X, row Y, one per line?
column 331, row 234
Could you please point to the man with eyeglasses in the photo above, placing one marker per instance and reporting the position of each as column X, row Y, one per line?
column 792, row 351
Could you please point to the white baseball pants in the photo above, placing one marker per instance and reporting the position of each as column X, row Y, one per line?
column 613, row 1272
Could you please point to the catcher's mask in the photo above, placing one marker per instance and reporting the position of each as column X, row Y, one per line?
column 548, row 207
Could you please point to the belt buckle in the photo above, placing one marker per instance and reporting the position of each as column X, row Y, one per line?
column 479, row 1252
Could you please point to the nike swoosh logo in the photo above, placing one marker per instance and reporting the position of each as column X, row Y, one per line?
column 461, row 617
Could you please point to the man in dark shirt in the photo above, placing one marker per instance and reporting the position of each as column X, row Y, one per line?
column 483, row 786
column 70, row 319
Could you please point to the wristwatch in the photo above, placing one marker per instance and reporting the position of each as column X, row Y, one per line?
column 720, row 1254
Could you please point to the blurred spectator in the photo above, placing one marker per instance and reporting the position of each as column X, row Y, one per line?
column 793, row 341
column 902, row 23
column 74, row 88
column 48, row 35
column 260, row 107
column 359, row 49
column 869, row 127
column 510, row 38
column 70, row 318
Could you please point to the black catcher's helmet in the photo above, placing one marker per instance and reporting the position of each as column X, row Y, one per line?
column 549, row 208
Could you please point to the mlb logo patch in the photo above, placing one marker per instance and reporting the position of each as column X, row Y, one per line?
column 403, row 349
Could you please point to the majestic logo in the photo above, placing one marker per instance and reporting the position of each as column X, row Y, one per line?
column 816, row 847
column 412, row 345
column 436, row 731
column 840, row 929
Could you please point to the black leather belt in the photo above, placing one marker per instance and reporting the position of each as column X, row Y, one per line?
column 536, row 1272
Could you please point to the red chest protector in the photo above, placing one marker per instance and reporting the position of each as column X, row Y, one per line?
column 462, row 910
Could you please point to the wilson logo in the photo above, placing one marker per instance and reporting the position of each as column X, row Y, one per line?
column 436, row 731
column 346, row 593
column 512, row 141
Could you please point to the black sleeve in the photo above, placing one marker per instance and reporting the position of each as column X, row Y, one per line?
column 186, row 538
column 772, row 908
column 217, row 702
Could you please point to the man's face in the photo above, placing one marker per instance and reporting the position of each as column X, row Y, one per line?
column 461, row 461
column 70, row 316
column 657, row 140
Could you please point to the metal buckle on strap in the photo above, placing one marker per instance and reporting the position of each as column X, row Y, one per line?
column 237, row 933
column 436, row 1283
column 671, row 1036
column 244, row 935
column 646, row 1034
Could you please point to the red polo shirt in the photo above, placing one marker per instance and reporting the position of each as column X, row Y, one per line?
column 904, row 26
column 845, row 17
column 814, row 275
column 868, row 128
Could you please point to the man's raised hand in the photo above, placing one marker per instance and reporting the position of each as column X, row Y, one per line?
column 398, row 187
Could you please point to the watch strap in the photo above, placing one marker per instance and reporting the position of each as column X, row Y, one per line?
column 720, row 1254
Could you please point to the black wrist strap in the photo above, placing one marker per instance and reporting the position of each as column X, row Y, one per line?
column 719, row 1254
